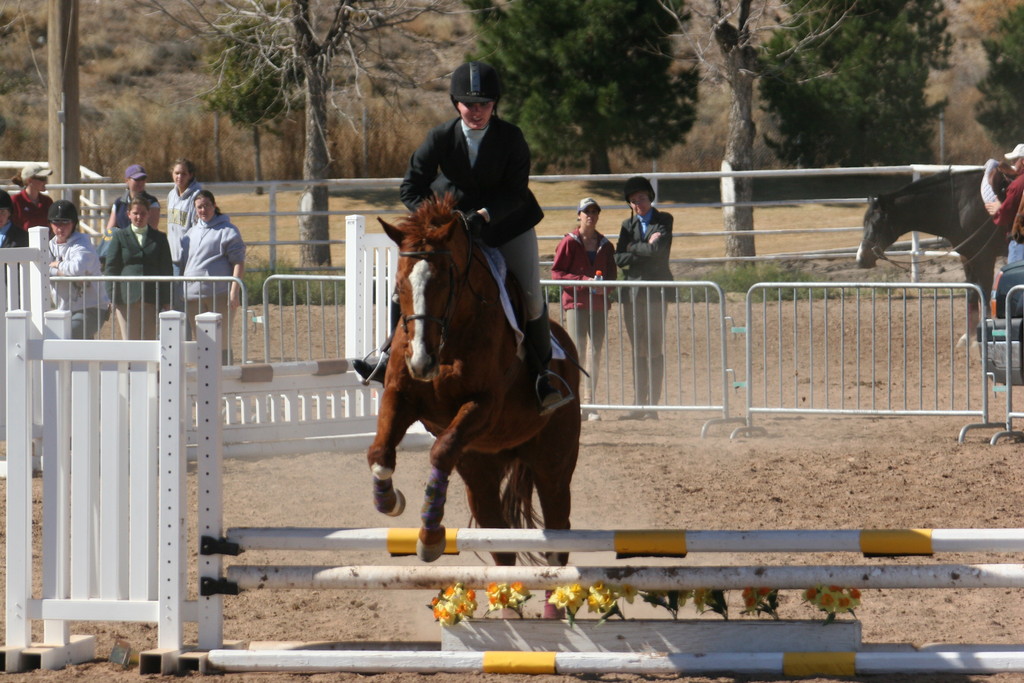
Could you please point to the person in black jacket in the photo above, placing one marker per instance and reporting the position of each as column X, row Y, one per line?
column 484, row 162
column 645, row 241
column 10, row 234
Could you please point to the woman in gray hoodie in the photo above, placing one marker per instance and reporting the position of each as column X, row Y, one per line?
column 213, row 247
column 181, row 210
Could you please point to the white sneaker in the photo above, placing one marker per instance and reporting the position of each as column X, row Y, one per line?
column 593, row 417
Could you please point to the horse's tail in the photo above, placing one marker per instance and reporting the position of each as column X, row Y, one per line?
column 517, row 507
column 517, row 498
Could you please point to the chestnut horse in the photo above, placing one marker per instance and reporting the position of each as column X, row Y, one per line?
column 455, row 366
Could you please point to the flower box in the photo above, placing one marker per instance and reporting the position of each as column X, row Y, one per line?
column 692, row 636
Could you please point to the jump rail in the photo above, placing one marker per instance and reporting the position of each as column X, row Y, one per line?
column 289, row 577
column 630, row 543
column 797, row 664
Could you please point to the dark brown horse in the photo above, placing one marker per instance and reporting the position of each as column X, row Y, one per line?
column 947, row 204
column 455, row 367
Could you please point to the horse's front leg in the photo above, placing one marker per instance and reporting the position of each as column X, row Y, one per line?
column 444, row 455
column 393, row 421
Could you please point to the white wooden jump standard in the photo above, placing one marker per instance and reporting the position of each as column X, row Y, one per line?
column 953, row 660
column 649, row 542
column 246, row 577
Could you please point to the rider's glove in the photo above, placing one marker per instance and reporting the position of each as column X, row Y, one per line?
column 475, row 224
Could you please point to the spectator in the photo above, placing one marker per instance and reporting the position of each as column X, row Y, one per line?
column 31, row 206
column 181, row 209
column 212, row 247
column 645, row 241
column 585, row 254
column 1003, row 213
column 10, row 234
column 72, row 255
column 996, row 177
column 140, row 250
column 135, row 180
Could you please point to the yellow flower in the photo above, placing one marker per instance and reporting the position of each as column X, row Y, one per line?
column 502, row 595
column 453, row 604
column 627, row 592
column 569, row 598
column 600, row 598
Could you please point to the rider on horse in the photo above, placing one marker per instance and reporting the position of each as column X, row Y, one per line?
column 484, row 163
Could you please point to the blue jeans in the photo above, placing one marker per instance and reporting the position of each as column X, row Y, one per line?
column 86, row 323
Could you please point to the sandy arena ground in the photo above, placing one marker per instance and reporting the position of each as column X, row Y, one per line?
column 806, row 473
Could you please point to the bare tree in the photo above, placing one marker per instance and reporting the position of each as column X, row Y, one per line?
column 328, row 49
column 726, row 37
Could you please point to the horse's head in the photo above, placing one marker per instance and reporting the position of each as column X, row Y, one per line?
column 877, row 232
column 434, row 249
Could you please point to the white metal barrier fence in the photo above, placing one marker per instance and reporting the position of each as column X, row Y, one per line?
column 863, row 349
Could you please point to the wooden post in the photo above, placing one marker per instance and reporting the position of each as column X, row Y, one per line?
column 62, row 58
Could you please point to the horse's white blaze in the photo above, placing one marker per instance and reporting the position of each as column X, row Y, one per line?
column 418, row 279
column 860, row 253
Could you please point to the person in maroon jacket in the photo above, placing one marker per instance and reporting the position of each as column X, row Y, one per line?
column 586, row 254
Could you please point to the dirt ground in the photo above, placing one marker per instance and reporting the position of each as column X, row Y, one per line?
column 806, row 473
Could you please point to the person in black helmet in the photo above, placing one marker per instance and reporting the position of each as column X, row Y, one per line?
column 642, row 252
column 11, row 235
column 72, row 255
column 484, row 162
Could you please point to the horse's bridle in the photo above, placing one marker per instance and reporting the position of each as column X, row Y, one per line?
column 457, row 279
column 879, row 252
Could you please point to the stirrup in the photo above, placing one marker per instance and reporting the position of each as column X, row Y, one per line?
column 371, row 371
column 551, row 400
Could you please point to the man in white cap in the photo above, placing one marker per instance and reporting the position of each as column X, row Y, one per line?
column 1005, row 212
column 31, row 205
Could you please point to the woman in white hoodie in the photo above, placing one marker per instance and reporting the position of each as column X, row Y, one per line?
column 73, row 255
column 212, row 247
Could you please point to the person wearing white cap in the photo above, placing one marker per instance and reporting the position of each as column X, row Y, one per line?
column 31, row 206
column 586, row 254
column 1005, row 211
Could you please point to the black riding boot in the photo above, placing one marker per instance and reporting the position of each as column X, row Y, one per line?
column 538, row 355
column 373, row 369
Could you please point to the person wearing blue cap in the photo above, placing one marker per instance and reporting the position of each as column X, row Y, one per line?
column 135, row 181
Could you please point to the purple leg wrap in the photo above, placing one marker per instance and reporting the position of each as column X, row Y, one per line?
column 434, row 499
column 384, row 498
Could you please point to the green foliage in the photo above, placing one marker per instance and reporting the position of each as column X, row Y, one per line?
column 742, row 278
column 252, row 88
column 1000, row 111
column 594, row 74
column 328, row 291
column 855, row 96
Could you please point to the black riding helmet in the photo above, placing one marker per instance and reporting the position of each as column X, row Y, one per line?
column 475, row 82
column 636, row 184
column 63, row 210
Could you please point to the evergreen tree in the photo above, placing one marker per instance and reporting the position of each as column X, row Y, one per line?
column 583, row 76
column 251, row 89
column 1000, row 111
column 856, row 96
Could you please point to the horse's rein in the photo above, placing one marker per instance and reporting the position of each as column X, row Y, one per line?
column 457, row 279
column 880, row 253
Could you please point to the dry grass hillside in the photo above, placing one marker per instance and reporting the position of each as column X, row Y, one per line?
column 140, row 77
